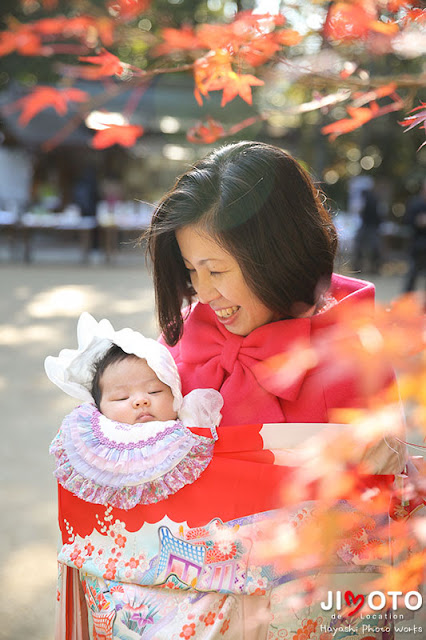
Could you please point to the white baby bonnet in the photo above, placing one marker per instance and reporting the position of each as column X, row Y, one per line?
column 73, row 370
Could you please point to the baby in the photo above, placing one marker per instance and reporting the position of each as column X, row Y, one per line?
column 126, row 389
column 129, row 442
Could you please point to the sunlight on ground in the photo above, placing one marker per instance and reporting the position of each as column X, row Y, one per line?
column 21, row 578
column 62, row 301
column 11, row 335
column 146, row 303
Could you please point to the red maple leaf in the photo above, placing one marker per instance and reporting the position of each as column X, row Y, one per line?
column 288, row 37
column 215, row 36
column 347, row 21
column 7, row 43
column 358, row 117
column 395, row 5
column 106, row 28
column 79, row 27
column 246, row 28
column 362, row 97
column 50, row 26
column 184, row 39
column 419, row 119
column 259, row 50
column 214, row 72
column 211, row 72
column 43, row 97
column 239, row 85
column 125, row 135
column 23, row 41
column 205, row 132
column 389, row 28
column 109, row 65
column 127, row 10
column 415, row 15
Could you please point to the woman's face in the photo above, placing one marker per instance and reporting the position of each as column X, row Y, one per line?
column 219, row 282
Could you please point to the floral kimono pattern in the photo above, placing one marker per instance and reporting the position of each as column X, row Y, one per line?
column 197, row 564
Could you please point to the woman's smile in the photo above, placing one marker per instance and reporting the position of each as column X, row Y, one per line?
column 224, row 314
column 219, row 282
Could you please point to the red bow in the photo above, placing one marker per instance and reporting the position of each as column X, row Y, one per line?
column 211, row 356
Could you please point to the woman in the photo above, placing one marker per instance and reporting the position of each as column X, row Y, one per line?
column 245, row 232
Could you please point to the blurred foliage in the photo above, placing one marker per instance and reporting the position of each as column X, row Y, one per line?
column 380, row 148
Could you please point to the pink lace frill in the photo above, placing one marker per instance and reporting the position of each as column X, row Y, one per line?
column 107, row 462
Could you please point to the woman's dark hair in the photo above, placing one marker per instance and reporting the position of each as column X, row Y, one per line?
column 114, row 354
column 262, row 207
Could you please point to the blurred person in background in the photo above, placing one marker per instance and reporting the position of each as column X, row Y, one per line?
column 367, row 240
column 415, row 219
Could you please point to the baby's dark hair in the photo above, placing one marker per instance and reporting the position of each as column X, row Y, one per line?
column 114, row 354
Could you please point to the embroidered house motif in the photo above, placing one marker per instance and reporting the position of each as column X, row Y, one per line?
column 179, row 557
column 215, row 560
column 219, row 576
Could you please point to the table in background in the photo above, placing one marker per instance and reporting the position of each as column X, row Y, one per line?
column 58, row 224
column 9, row 226
column 114, row 225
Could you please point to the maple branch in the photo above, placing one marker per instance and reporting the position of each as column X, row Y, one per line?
column 158, row 71
column 63, row 48
column 355, row 82
column 72, row 71
column 248, row 122
column 76, row 120
column 134, row 100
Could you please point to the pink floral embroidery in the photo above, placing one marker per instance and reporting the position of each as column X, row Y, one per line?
column 133, row 563
column 309, row 627
column 118, row 588
column 110, row 569
column 197, row 532
column 221, row 551
column 188, row 630
column 120, row 541
column 170, row 585
column 74, row 554
column 224, row 628
column 89, row 549
column 210, row 618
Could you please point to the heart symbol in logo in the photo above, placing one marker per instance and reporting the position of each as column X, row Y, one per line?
column 351, row 599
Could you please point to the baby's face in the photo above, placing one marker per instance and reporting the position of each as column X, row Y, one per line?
column 132, row 393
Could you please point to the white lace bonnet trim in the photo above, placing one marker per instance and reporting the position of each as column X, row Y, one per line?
column 73, row 369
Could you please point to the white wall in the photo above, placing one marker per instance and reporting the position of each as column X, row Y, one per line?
column 15, row 177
